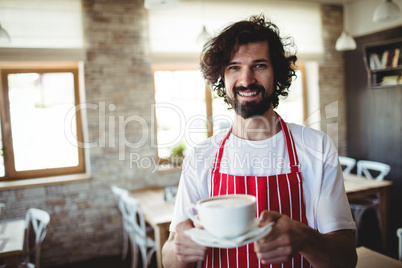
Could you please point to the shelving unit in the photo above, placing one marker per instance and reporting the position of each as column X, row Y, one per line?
column 384, row 63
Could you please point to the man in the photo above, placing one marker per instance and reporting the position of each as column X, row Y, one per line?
column 292, row 170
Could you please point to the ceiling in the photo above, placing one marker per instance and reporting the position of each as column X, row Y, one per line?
column 330, row 1
column 338, row 2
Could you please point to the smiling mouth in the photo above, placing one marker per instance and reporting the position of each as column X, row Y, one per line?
column 248, row 93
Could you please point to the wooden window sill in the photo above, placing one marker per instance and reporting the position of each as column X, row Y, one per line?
column 10, row 185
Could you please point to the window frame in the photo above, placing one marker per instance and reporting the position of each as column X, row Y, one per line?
column 208, row 100
column 8, row 152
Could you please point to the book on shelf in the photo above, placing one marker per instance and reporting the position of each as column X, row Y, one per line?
column 395, row 58
column 390, row 80
column 375, row 62
column 385, row 58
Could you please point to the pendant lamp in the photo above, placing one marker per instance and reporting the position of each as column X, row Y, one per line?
column 345, row 41
column 204, row 35
column 386, row 11
column 4, row 36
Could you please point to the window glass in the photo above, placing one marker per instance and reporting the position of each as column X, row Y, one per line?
column 180, row 109
column 38, row 106
column 290, row 108
column 222, row 115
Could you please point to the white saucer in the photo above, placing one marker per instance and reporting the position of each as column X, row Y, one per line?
column 204, row 238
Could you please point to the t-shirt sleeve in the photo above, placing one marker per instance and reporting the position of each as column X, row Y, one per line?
column 333, row 210
column 187, row 192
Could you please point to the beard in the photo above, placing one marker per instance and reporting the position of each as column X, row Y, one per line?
column 251, row 108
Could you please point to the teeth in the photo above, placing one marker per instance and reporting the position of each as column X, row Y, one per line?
column 247, row 94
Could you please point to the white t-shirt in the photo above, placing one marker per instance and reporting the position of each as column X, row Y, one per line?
column 327, row 207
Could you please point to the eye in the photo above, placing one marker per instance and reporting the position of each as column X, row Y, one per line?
column 233, row 67
column 260, row 66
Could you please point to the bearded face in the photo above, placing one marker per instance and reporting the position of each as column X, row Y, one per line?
column 251, row 108
column 249, row 80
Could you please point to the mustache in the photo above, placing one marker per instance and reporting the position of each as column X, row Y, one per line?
column 250, row 87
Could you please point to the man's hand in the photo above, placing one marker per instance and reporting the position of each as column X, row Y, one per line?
column 283, row 242
column 287, row 237
column 186, row 249
column 180, row 250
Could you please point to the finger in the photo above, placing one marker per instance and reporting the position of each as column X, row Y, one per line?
column 278, row 255
column 189, row 258
column 184, row 225
column 268, row 216
column 183, row 240
column 189, row 251
column 190, row 254
column 194, row 250
column 196, row 225
column 268, row 243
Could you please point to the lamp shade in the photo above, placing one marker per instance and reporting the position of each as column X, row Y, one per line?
column 386, row 11
column 203, row 36
column 161, row 4
column 345, row 42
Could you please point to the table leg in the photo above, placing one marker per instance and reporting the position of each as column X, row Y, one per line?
column 161, row 236
column 384, row 206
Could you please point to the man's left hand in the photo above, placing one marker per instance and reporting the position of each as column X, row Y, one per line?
column 283, row 242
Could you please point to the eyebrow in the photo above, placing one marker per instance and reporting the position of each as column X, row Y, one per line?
column 254, row 61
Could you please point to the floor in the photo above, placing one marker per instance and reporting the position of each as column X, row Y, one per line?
column 107, row 262
column 370, row 236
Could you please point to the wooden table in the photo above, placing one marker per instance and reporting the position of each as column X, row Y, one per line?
column 359, row 187
column 366, row 258
column 157, row 213
column 11, row 241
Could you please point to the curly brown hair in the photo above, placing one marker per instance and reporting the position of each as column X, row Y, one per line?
column 218, row 51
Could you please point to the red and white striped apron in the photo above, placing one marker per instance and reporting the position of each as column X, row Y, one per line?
column 282, row 193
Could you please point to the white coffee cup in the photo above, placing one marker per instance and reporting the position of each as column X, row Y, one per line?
column 226, row 216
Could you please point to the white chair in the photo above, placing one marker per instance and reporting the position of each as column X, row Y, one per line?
column 347, row 164
column 118, row 193
column 364, row 167
column 138, row 232
column 37, row 219
column 359, row 206
column 399, row 234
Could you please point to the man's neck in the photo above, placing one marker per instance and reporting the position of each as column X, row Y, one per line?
column 256, row 128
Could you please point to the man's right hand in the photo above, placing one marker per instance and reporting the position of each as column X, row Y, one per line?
column 184, row 249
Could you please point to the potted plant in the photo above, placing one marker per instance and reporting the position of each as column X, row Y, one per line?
column 177, row 154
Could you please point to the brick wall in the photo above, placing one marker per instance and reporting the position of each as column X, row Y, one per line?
column 331, row 78
column 85, row 222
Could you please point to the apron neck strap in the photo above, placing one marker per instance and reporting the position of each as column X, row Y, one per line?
column 218, row 156
column 290, row 146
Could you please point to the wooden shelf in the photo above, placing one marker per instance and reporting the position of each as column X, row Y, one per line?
column 383, row 62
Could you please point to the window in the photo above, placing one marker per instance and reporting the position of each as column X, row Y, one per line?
column 293, row 107
column 187, row 112
column 184, row 111
column 36, row 118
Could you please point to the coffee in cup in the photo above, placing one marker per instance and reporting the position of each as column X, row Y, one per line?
column 226, row 216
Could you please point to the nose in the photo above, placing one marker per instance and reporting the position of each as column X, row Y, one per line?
column 247, row 77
